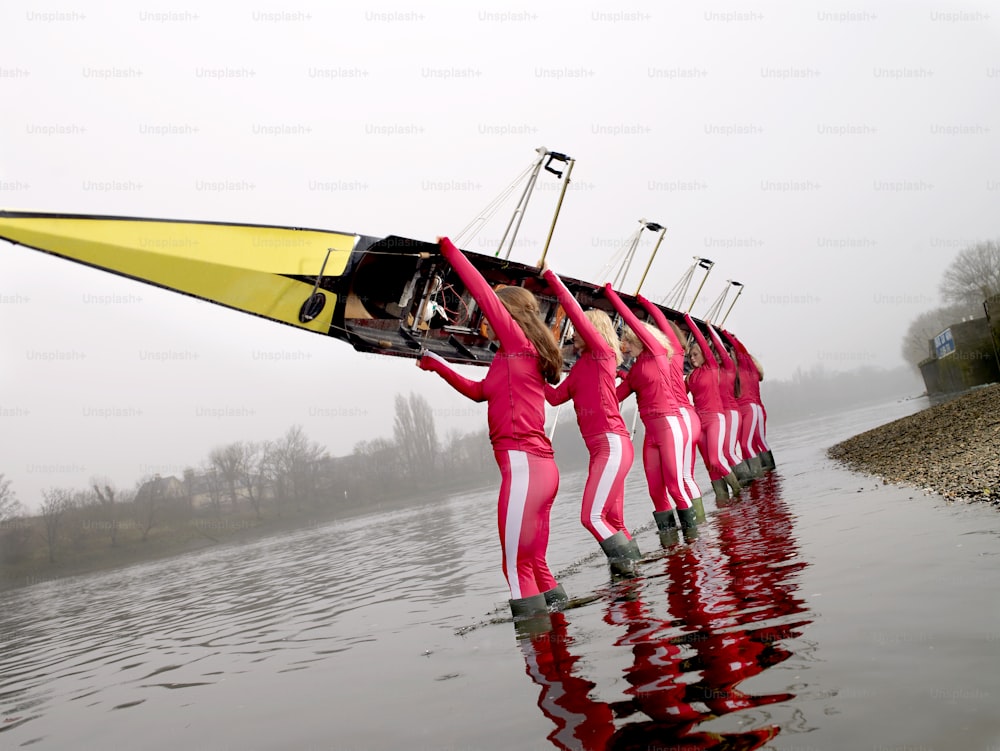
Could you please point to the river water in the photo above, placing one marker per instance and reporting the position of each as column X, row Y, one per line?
column 823, row 611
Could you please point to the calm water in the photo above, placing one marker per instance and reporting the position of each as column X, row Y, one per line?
column 824, row 611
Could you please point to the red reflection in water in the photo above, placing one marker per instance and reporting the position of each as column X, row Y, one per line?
column 731, row 599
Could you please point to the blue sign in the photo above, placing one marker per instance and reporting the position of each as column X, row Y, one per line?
column 944, row 343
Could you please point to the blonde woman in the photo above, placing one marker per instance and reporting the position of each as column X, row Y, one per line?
column 591, row 386
column 667, row 433
column 528, row 357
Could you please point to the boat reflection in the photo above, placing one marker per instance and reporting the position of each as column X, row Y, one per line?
column 732, row 603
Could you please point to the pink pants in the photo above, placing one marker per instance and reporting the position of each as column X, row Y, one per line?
column 713, row 433
column 528, row 486
column 758, row 441
column 731, row 441
column 611, row 457
column 752, row 440
column 663, row 461
column 693, row 423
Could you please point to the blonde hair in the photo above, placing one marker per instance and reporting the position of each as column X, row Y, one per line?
column 629, row 337
column 602, row 322
column 523, row 308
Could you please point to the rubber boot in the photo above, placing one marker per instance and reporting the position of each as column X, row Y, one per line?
column 665, row 520
column 556, row 597
column 743, row 473
column 667, row 526
column 767, row 460
column 699, row 509
column 755, row 464
column 633, row 551
column 689, row 522
column 733, row 483
column 529, row 607
column 617, row 551
column 721, row 491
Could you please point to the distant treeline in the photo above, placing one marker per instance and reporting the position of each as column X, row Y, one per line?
column 255, row 487
column 247, row 487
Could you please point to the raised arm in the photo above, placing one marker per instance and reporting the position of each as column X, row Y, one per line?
column 648, row 340
column 508, row 332
column 581, row 323
column 661, row 322
column 465, row 386
column 743, row 356
column 727, row 361
column 706, row 350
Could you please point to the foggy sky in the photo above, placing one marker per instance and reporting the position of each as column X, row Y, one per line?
column 834, row 159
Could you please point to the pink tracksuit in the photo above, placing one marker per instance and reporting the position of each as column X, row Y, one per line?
column 730, row 407
column 591, row 386
column 679, row 388
column 752, row 414
column 703, row 383
column 666, row 429
column 513, row 391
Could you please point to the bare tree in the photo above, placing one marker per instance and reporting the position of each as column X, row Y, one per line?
column 55, row 503
column 109, row 508
column 379, row 463
column 299, row 456
column 10, row 507
column 415, row 435
column 150, row 496
column 229, row 461
column 190, row 481
column 14, row 531
column 974, row 275
column 253, row 468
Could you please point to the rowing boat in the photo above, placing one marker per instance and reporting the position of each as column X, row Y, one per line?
column 392, row 295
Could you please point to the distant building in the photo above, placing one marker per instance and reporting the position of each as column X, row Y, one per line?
column 965, row 354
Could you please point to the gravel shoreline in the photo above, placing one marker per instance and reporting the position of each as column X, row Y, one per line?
column 952, row 449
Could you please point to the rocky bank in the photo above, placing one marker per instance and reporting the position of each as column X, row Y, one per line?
column 952, row 449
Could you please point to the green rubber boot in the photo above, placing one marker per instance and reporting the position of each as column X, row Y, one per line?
column 767, row 460
column 721, row 491
column 733, row 483
column 756, row 466
column 699, row 509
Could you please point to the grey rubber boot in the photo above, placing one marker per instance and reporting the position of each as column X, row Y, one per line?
column 767, row 460
column 667, row 526
column 756, row 466
column 556, row 596
column 733, row 483
column 665, row 520
column 721, row 490
column 529, row 607
column 688, row 518
column 633, row 550
column 743, row 473
column 617, row 551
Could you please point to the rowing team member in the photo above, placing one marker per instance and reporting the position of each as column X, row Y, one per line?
column 517, row 385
